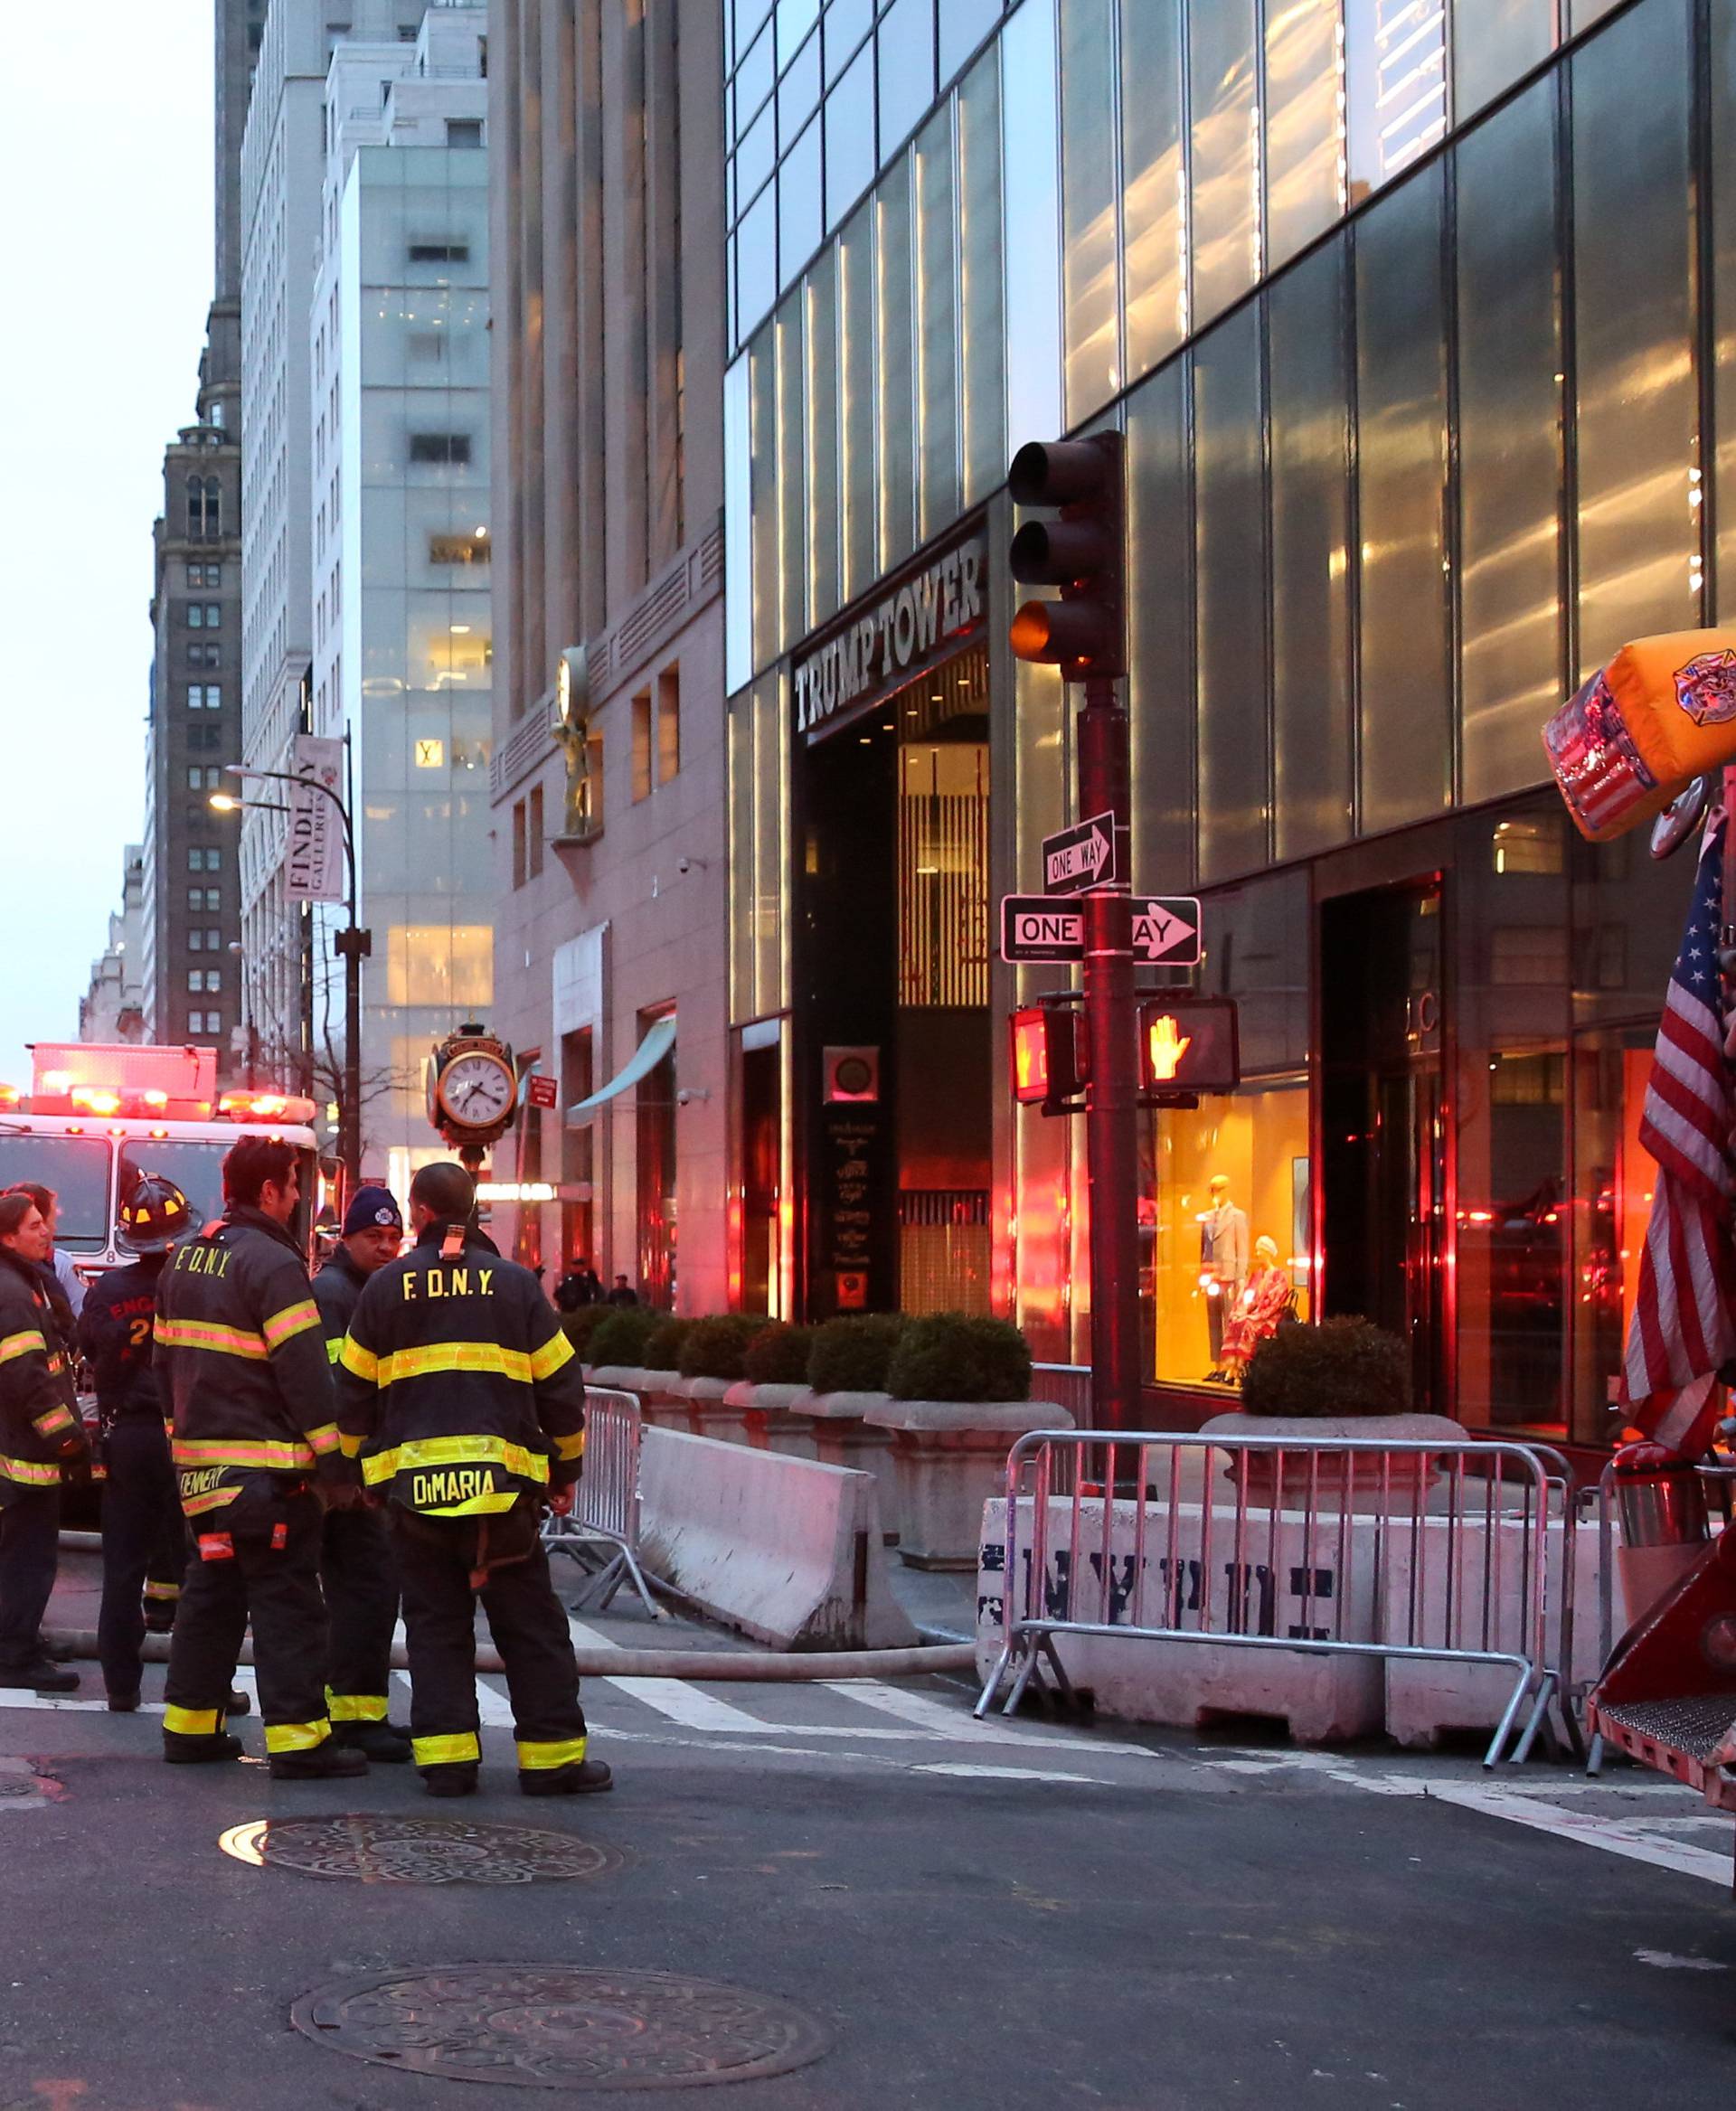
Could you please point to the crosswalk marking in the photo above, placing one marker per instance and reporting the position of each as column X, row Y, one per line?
column 957, row 1726
column 674, row 1698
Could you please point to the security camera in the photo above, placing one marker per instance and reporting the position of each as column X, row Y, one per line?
column 683, row 865
column 689, row 1093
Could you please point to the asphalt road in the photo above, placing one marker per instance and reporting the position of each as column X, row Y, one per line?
column 1023, row 1915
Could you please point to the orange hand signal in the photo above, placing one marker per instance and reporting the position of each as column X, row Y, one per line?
column 1167, row 1048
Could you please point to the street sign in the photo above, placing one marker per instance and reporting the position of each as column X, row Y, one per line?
column 1079, row 857
column 542, row 1089
column 1036, row 927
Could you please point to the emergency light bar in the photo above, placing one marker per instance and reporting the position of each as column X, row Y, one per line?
column 250, row 1106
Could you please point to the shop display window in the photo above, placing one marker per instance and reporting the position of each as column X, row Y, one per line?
column 1227, row 1238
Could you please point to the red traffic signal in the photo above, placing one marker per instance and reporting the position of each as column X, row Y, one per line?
column 1048, row 1048
column 1084, row 633
column 1188, row 1044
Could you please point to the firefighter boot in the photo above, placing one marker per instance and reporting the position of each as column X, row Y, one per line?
column 458, row 1778
column 579, row 1777
column 180, row 1749
column 325, row 1761
column 376, row 1740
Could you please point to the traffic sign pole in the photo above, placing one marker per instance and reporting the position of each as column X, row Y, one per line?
column 1111, row 1117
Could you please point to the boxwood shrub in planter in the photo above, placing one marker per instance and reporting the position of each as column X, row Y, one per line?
column 717, row 1347
column 663, row 1345
column 778, row 1355
column 580, row 1326
column 854, row 1355
column 1343, row 1366
column 951, row 1356
column 620, row 1342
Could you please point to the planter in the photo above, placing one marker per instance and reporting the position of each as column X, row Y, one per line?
column 774, row 1417
column 1326, row 1478
column 842, row 1438
column 709, row 1408
column 950, row 1458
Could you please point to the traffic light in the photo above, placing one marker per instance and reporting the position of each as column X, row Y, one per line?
column 1188, row 1044
column 1049, row 1057
column 1083, row 553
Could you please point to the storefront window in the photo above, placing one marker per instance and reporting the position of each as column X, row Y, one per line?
column 1612, row 1200
column 1153, row 180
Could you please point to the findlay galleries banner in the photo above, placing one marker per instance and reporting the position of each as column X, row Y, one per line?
column 314, row 863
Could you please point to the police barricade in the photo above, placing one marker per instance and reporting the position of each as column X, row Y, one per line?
column 605, row 1512
column 1420, row 1552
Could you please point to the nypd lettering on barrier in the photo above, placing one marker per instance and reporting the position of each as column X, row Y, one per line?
column 915, row 621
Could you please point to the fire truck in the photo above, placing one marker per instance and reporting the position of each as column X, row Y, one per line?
column 96, row 1117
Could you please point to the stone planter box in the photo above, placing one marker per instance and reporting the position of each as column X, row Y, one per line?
column 709, row 1410
column 774, row 1417
column 1323, row 1474
column 843, row 1438
column 950, row 1458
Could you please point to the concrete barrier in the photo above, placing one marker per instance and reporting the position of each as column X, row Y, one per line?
column 785, row 1550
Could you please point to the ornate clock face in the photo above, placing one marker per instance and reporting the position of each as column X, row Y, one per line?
column 475, row 1090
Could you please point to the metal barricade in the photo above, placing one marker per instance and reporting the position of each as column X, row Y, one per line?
column 605, row 1512
column 1463, row 1553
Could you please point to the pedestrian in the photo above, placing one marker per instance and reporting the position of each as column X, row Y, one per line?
column 250, row 1384
column 40, row 1432
column 58, row 1262
column 356, row 1569
column 465, row 1401
column 579, row 1286
column 622, row 1294
column 143, row 1533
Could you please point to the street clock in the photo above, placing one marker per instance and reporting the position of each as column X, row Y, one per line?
column 472, row 1091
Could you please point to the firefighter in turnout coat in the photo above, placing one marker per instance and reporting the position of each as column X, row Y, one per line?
column 463, row 1401
column 239, row 1338
column 356, row 1569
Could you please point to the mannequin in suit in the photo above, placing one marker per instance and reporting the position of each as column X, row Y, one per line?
column 1223, row 1263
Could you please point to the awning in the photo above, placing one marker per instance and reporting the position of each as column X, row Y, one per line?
column 658, row 1040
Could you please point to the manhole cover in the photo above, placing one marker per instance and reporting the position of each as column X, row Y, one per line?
column 549, row 2027
column 416, row 1850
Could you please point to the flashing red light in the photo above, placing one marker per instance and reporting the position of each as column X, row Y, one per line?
column 10, row 1097
column 266, row 1106
column 1031, row 1057
column 95, row 1099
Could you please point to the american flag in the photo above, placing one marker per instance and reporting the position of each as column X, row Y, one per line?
column 1682, row 1328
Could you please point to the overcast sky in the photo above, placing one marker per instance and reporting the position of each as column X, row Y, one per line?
column 106, row 154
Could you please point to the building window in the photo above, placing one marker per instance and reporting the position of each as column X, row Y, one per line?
column 458, row 549
column 196, row 858
column 200, row 655
column 213, row 979
column 518, row 843
column 195, row 899
column 668, row 723
column 195, row 939
column 533, row 826
column 214, row 858
column 214, row 900
column 195, row 978
column 205, row 509
column 205, row 696
column 452, row 448
column 642, row 745
column 440, row 965
column 213, row 614
column 195, row 615
column 463, row 131
column 448, row 252
column 195, row 575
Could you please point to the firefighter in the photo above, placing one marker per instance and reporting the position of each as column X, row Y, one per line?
column 40, row 1432
column 355, row 1564
column 143, row 1533
column 463, row 1401
column 254, row 1438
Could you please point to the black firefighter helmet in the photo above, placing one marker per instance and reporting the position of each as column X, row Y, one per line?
column 153, row 1215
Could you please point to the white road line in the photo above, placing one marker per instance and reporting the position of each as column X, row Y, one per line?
column 955, row 1725
column 1609, row 1833
column 675, row 1699
column 965, row 1772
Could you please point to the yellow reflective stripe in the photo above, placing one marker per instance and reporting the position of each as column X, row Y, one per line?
column 293, row 1320
column 296, row 1737
column 167, row 1590
column 324, row 1439
column 351, row 1446
column 203, row 1333
column 192, row 1723
column 213, row 1499
column 262, row 1452
column 485, row 1506
column 55, row 1419
column 27, row 1341
column 487, row 1357
column 455, row 1451
column 568, row 1449
column 363, row 1362
column 356, row 1707
column 555, row 1351
column 538, row 1758
column 30, row 1473
column 449, row 1751
column 334, row 1349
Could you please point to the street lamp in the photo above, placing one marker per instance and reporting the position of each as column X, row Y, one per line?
column 353, row 944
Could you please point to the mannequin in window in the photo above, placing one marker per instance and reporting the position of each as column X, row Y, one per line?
column 1223, row 1264
column 1266, row 1297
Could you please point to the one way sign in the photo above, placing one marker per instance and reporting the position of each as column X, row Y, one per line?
column 1166, row 929
column 1079, row 857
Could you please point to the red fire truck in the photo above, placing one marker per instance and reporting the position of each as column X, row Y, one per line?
column 96, row 1117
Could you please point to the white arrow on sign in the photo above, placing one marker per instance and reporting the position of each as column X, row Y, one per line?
column 1084, row 858
column 1159, row 932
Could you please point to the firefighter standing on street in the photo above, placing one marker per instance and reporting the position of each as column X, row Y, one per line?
column 355, row 1563
column 40, row 1431
column 254, row 1437
column 463, row 1398
column 143, row 1533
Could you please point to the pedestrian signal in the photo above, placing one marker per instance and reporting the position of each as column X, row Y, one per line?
column 1188, row 1044
column 1048, row 1053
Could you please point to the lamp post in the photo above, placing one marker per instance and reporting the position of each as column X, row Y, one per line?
column 353, row 944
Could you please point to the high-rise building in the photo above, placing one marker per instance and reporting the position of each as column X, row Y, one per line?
column 609, row 315
column 113, row 1008
column 400, row 506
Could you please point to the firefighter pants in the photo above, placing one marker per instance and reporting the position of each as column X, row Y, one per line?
column 361, row 1586
column 259, row 1557
column 436, row 1559
column 144, row 1543
column 30, row 1547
